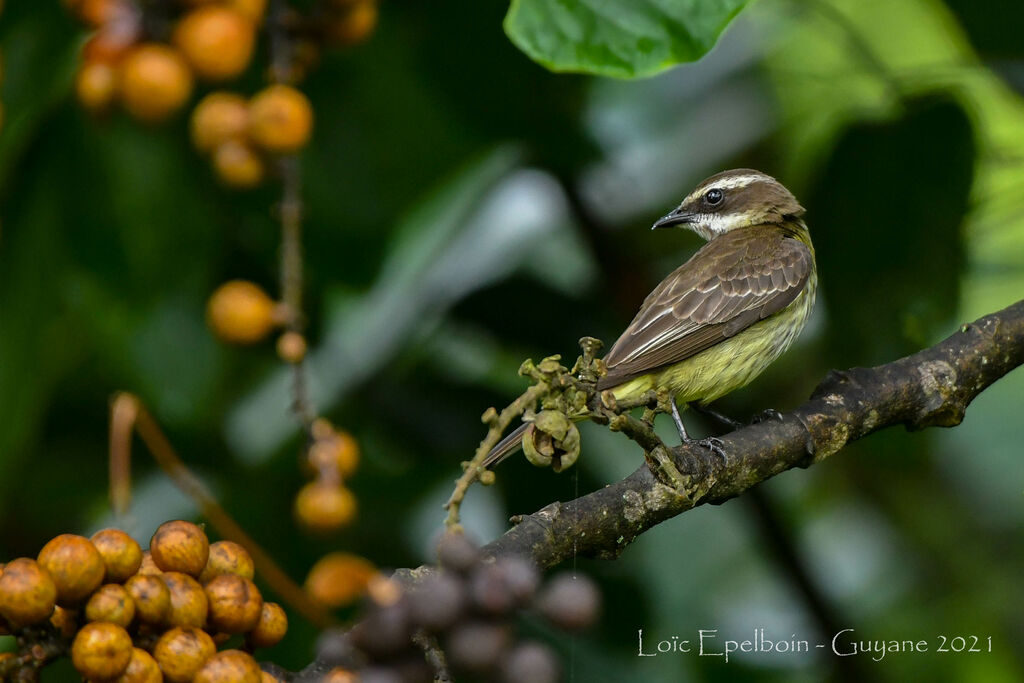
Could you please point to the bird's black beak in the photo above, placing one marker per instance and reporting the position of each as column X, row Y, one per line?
column 676, row 217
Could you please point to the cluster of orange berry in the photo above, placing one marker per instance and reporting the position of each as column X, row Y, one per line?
column 237, row 133
column 138, row 617
column 153, row 79
column 241, row 312
column 213, row 41
column 325, row 504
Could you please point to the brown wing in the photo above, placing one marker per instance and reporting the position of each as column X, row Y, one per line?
column 731, row 283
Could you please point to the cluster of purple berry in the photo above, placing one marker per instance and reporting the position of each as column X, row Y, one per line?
column 460, row 620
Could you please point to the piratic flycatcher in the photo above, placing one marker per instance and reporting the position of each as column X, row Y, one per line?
column 716, row 322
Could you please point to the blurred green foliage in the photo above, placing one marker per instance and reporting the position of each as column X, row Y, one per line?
column 452, row 185
column 624, row 38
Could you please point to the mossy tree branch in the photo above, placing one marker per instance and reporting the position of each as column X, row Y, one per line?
column 931, row 388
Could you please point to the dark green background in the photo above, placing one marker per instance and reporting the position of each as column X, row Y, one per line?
column 467, row 209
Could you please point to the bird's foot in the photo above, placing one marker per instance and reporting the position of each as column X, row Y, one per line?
column 765, row 415
column 712, row 443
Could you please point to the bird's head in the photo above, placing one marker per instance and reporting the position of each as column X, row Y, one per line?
column 731, row 200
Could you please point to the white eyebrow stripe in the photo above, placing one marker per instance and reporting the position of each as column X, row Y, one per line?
column 731, row 183
column 739, row 180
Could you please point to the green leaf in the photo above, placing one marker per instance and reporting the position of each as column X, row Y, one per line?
column 621, row 38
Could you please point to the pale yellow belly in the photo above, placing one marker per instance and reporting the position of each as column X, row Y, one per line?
column 731, row 364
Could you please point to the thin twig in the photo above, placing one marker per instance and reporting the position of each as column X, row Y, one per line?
column 290, row 210
column 290, row 213
column 123, row 412
column 434, row 655
column 38, row 646
column 499, row 422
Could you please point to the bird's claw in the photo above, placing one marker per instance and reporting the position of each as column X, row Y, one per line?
column 713, row 444
column 767, row 414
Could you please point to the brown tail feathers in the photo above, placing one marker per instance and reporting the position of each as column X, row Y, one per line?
column 506, row 447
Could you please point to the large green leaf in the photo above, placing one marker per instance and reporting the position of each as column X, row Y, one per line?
column 622, row 38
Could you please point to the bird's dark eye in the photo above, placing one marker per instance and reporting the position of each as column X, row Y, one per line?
column 714, row 197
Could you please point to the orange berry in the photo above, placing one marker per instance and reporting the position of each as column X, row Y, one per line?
column 98, row 13
column 240, row 312
column 238, row 165
column 27, row 593
column 251, row 9
column 101, row 651
column 64, row 621
column 291, row 347
column 227, row 557
column 112, row 604
column 189, row 605
column 148, row 566
column 267, row 677
column 113, row 39
column 151, row 596
column 340, row 675
column 121, row 554
column 219, row 117
column 324, row 507
column 383, row 590
column 96, row 85
column 142, row 668
column 270, row 628
column 181, row 652
column 336, row 452
column 76, row 566
column 337, row 579
column 155, row 82
column 235, row 603
column 280, row 119
column 180, row 546
column 354, row 23
column 229, row 666
column 217, row 41
column 322, row 428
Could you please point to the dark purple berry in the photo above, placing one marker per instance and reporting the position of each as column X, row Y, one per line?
column 521, row 576
column 570, row 602
column 457, row 552
column 437, row 601
column 379, row 674
column 531, row 661
column 477, row 647
column 334, row 647
column 384, row 631
column 414, row 669
column 490, row 591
